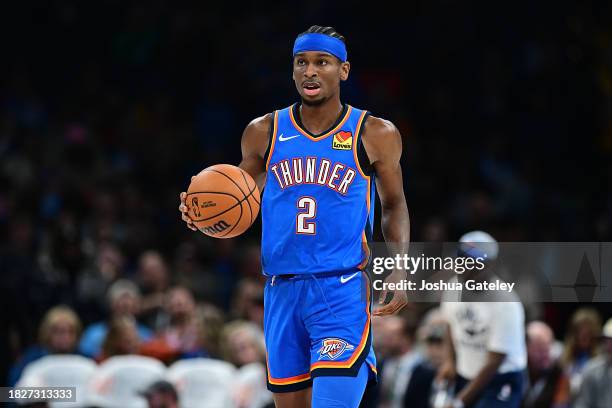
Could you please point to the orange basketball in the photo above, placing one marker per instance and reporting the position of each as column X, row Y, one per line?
column 223, row 201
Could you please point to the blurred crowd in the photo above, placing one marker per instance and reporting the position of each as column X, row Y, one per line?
column 108, row 108
column 212, row 361
column 561, row 373
column 165, row 324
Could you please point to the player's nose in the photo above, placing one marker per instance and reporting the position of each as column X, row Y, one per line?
column 310, row 71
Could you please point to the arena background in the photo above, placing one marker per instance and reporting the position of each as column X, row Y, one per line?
column 107, row 109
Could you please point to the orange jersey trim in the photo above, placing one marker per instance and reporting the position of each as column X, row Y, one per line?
column 273, row 142
column 366, row 249
column 286, row 380
column 289, row 380
column 358, row 349
column 369, row 193
column 325, row 135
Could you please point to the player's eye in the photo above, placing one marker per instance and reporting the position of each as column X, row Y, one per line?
column 300, row 62
column 322, row 62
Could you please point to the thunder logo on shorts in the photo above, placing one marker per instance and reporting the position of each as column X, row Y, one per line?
column 333, row 348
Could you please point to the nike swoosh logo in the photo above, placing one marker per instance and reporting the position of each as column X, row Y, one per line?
column 348, row 278
column 284, row 139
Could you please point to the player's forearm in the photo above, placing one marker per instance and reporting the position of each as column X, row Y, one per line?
column 395, row 225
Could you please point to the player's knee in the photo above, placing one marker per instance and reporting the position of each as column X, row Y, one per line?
column 325, row 391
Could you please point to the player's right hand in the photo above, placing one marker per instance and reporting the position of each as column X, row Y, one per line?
column 185, row 212
column 399, row 299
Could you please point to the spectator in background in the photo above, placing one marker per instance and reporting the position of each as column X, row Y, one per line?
column 380, row 340
column 548, row 386
column 382, row 348
column 121, row 338
column 581, row 345
column 161, row 394
column 124, row 299
column 247, row 301
column 58, row 334
column 400, row 362
column 182, row 337
column 250, row 390
column 596, row 388
column 191, row 269
column 153, row 278
column 210, row 320
column 94, row 281
column 243, row 345
column 431, row 335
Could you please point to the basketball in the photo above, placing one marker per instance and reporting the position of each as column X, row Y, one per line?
column 223, row 201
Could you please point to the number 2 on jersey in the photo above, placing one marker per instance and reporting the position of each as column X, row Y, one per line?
column 302, row 225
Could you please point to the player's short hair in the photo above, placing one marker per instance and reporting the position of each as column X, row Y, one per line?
column 331, row 31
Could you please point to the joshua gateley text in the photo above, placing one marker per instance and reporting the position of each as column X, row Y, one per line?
column 470, row 284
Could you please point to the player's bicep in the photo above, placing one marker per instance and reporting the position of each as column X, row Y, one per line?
column 254, row 144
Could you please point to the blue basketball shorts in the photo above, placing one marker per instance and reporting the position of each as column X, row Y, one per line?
column 317, row 325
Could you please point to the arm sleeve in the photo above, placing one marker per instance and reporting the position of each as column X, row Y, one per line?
column 507, row 327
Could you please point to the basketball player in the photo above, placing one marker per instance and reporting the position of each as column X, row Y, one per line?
column 318, row 163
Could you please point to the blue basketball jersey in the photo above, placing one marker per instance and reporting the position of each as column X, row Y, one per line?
column 318, row 204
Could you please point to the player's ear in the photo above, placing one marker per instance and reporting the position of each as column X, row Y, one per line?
column 344, row 70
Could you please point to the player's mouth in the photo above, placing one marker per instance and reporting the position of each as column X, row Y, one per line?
column 311, row 88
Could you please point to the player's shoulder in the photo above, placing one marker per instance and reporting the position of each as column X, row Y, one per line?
column 256, row 135
column 379, row 128
column 380, row 137
column 260, row 124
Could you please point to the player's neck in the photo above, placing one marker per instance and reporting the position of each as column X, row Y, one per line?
column 317, row 119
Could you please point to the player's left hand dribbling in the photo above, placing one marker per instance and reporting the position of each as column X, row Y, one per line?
column 399, row 299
